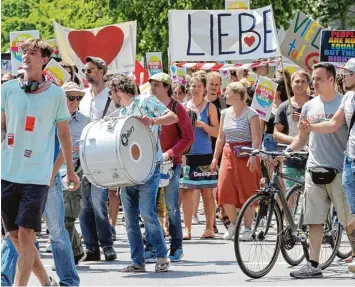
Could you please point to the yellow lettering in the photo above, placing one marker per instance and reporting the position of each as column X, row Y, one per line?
column 300, row 53
column 311, row 31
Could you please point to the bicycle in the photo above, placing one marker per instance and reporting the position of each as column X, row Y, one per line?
column 266, row 206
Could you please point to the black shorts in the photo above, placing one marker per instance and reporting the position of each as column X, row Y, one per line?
column 22, row 205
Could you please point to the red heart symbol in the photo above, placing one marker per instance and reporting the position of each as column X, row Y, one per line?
column 106, row 44
column 249, row 40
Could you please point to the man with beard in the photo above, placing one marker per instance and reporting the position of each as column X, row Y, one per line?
column 94, row 222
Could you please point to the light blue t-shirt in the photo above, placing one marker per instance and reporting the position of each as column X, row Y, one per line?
column 149, row 106
column 28, row 149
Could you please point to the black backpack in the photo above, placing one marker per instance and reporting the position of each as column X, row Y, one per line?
column 193, row 119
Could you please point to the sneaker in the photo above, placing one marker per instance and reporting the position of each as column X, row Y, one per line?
column 247, row 235
column 51, row 282
column 110, row 253
column 79, row 258
column 49, row 247
column 92, row 256
column 230, row 232
column 351, row 267
column 176, row 255
column 308, row 271
column 150, row 256
column 162, row 265
column 195, row 220
column 114, row 236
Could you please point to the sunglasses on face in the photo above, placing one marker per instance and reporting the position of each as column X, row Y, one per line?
column 73, row 98
column 88, row 70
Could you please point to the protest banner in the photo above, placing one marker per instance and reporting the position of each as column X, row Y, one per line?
column 54, row 45
column 115, row 44
column 56, row 73
column 263, row 97
column 337, row 46
column 16, row 40
column 236, row 5
column 218, row 35
column 154, row 63
column 302, row 41
column 178, row 74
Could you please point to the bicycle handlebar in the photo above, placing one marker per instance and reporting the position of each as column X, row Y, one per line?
column 274, row 154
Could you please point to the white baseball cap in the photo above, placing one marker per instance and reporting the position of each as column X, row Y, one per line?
column 350, row 65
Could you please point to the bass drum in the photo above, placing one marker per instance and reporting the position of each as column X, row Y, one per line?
column 117, row 152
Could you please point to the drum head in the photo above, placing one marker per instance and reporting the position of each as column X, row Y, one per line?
column 137, row 148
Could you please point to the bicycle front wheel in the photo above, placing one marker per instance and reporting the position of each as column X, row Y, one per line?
column 257, row 237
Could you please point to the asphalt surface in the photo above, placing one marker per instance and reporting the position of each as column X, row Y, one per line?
column 205, row 263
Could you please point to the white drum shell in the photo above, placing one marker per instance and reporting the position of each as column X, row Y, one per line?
column 118, row 152
column 166, row 169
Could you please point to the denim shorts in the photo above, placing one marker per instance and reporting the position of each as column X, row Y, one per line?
column 22, row 205
column 269, row 143
column 349, row 181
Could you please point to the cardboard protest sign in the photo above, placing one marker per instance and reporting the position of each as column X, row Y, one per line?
column 263, row 98
column 54, row 45
column 236, row 5
column 154, row 63
column 218, row 35
column 56, row 73
column 16, row 40
column 115, row 44
column 302, row 41
column 178, row 74
column 337, row 46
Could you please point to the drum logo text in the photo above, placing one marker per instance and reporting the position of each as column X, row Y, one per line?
column 125, row 137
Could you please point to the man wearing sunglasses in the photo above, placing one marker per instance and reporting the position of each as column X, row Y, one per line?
column 94, row 221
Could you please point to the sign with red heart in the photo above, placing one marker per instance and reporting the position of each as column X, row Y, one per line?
column 216, row 35
column 115, row 44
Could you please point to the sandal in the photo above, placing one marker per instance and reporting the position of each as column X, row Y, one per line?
column 162, row 266
column 134, row 268
column 208, row 235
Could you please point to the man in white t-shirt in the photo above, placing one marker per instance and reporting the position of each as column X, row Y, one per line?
column 94, row 222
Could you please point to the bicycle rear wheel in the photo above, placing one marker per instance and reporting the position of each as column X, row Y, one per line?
column 257, row 254
column 344, row 250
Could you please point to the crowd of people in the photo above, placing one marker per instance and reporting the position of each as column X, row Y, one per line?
column 198, row 129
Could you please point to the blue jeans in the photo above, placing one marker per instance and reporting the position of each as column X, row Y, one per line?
column 94, row 222
column 8, row 262
column 349, row 181
column 269, row 143
column 61, row 245
column 143, row 199
column 171, row 195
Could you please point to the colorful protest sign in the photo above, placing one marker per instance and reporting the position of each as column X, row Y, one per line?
column 16, row 39
column 154, row 63
column 263, row 98
column 54, row 45
column 337, row 46
column 115, row 44
column 237, row 5
column 302, row 42
column 178, row 74
column 218, row 35
column 252, row 78
column 56, row 73
column 226, row 78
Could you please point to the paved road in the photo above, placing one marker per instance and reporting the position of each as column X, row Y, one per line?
column 206, row 263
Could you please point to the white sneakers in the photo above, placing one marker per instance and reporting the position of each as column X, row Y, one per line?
column 195, row 220
column 230, row 232
column 247, row 235
column 49, row 246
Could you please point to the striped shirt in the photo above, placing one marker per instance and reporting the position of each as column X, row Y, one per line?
column 237, row 130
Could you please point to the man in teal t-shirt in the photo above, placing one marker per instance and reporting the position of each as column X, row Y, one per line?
column 31, row 107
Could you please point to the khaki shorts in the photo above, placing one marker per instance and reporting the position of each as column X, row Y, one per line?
column 319, row 197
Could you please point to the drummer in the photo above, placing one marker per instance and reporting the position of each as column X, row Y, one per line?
column 142, row 198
